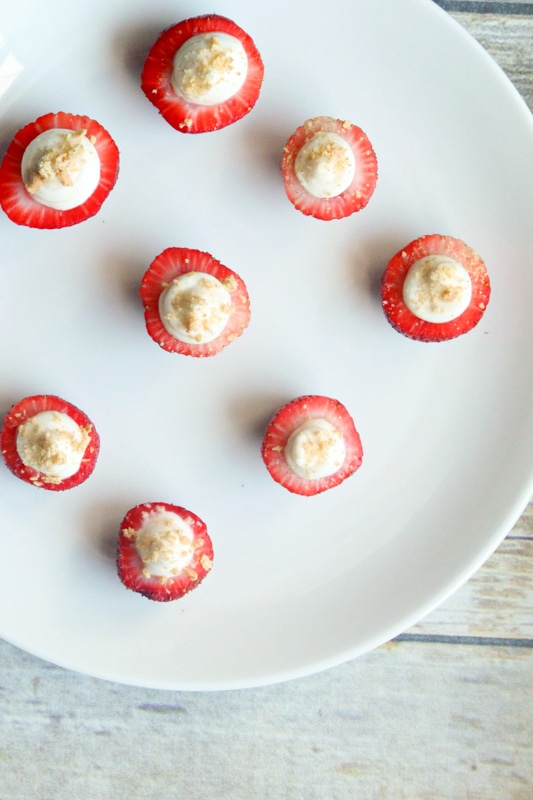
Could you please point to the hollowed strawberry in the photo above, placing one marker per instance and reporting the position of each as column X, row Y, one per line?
column 181, row 86
column 329, row 168
column 45, row 438
column 22, row 207
column 392, row 288
column 311, row 445
column 222, row 311
column 164, row 551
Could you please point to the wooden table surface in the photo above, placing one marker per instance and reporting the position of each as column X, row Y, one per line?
column 444, row 712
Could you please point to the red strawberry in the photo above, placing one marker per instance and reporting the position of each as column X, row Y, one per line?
column 26, row 410
column 399, row 315
column 305, row 411
column 351, row 199
column 169, row 265
column 153, row 538
column 193, row 117
column 24, row 209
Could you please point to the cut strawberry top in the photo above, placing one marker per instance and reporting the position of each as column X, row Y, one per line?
column 329, row 168
column 20, row 202
column 49, row 443
column 193, row 304
column 164, row 551
column 203, row 74
column 311, row 445
column 451, row 283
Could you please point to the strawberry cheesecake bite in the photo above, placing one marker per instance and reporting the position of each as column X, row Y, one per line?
column 203, row 74
column 49, row 443
column 57, row 171
column 193, row 304
column 311, row 445
column 329, row 168
column 435, row 289
column 164, row 551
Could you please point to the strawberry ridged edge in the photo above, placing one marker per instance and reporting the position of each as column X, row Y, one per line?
column 356, row 196
column 403, row 320
column 174, row 261
column 17, row 202
column 291, row 416
column 130, row 566
column 24, row 410
column 190, row 117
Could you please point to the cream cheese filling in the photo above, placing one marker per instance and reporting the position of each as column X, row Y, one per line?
column 61, row 168
column 53, row 444
column 325, row 165
column 209, row 68
column 195, row 308
column 165, row 544
column 316, row 449
column 437, row 289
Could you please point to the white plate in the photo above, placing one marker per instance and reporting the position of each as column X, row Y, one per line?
column 299, row 584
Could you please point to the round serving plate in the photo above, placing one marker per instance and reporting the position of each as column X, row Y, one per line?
column 298, row 584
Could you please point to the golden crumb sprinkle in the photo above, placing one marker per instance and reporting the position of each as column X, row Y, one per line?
column 46, row 450
column 317, row 449
column 161, row 546
column 200, row 310
column 438, row 285
column 206, row 562
column 209, row 65
column 229, row 283
column 333, row 153
column 59, row 163
column 164, row 545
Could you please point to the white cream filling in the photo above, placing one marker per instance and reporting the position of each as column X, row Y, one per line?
column 195, row 308
column 437, row 289
column 164, row 544
column 315, row 449
column 209, row 68
column 61, row 168
column 52, row 443
column 325, row 165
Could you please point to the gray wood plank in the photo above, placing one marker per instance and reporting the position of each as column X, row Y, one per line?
column 406, row 721
column 497, row 4
column 509, row 40
column 487, row 6
column 497, row 602
column 524, row 527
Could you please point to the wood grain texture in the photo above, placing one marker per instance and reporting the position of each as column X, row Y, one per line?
column 496, row 603
column 487, row 6
column 524, row 526
column 509, row 40
column 499, row 6
column 405, row 722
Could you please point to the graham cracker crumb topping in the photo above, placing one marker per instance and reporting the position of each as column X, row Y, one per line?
column 211, row 64
column 46, row 450
column 60, row 163
column 198, row 311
